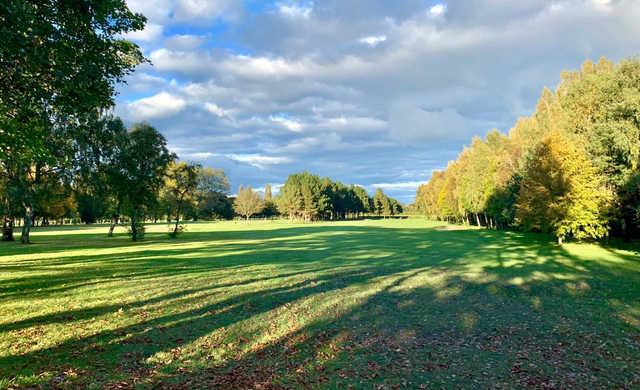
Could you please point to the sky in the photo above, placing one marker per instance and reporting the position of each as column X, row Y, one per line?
column 378, row 93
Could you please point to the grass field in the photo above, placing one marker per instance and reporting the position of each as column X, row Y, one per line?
column 372, row 304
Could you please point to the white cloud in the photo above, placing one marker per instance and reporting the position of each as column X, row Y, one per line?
column 184, row 42
column 288, row 123
column 297, row 78
column 216, row 110
column 353, row 123
column 603, row 5
column 261, row 67
column 295, row 10
column 150, row 33
column 156, row 11
column 204, row 11
column 372, row 40
column 160, row 105
column 259, row 160
column 438, row 10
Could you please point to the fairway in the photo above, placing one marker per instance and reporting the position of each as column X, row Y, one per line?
column 272, row 304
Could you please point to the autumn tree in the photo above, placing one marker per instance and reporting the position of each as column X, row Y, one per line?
column 247, row 202
column 561, row 192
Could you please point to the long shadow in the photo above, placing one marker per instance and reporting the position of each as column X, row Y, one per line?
column 535, row 295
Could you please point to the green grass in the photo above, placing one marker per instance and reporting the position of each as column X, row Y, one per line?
column 273, row 304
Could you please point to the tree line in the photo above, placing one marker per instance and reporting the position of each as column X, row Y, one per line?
column 570, row 169
column 309, row 197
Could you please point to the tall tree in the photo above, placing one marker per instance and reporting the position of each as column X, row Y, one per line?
column 141, row 164
column 561, row 192
column 270, row 208
column 60, row 62
column 212, row 191
column 247, row 202
column 181, row 183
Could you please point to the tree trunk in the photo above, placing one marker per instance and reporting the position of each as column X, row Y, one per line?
column 560, row 239
column 26, row 226
column 175, row 228
column 134, row 226
column 114, row 221
column 477, row 219
column 7, row 229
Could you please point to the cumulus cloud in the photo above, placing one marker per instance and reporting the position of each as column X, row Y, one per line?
column 150, row 33
column 295, row 10
column 357, row 90
column 258, row 160
column 288, row 123
column 216, row 110
column 438, row 10
column 373, row 40
column 160, row 105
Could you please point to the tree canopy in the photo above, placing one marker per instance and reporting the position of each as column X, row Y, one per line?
column 571, row 168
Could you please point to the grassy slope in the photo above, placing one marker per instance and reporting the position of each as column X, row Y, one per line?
column 371, row 302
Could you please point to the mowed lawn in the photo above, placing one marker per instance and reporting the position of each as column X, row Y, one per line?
column 372, row 304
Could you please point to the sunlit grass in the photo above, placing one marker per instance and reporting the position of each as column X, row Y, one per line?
column 276, row 304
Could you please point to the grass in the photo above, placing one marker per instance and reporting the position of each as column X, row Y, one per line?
column 407, row 303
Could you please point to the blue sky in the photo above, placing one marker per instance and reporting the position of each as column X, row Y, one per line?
column 372, row 92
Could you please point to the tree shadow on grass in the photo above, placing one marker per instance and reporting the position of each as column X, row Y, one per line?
column 444, row 308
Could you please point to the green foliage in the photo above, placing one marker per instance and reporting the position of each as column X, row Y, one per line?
column 309, row 197
column 138, row 171
column 596, row 111
column 270, row 208
column 561, row 192
column 60, row 61
column 211, row 194
column 179, row 190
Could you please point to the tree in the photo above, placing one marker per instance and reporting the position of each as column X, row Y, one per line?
column 306, row 196
column 270, row 208
column 395, row 206
column 110, row 167
column 90, row 207
column 363, row 204
column 61, row 61
column 630, row 200
column 381, row 203
column 561, row 192
column 595, row 109
column 181, row 183
column 247, row 202
column 212, row 190
column 212, row 180
column 139, row 173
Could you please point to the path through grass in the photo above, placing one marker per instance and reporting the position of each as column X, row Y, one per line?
column 272, row 304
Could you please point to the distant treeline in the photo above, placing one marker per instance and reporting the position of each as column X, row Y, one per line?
column 309, row 197
column 571, row 169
